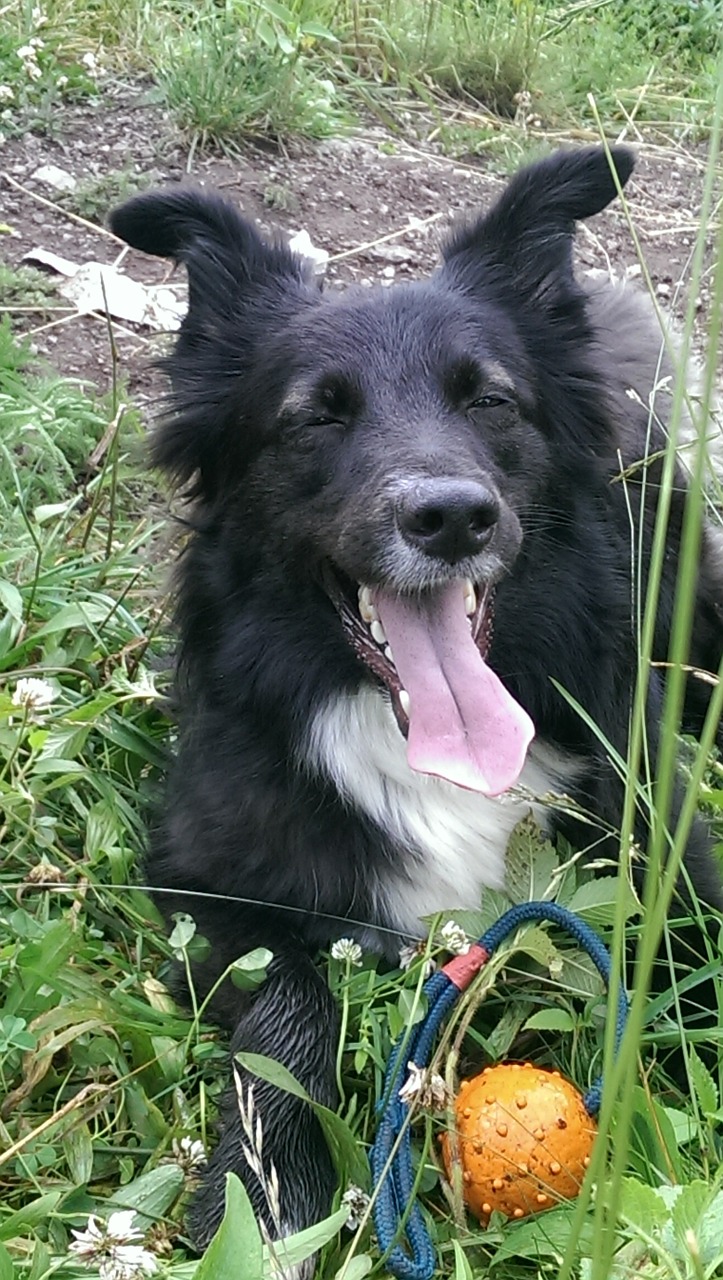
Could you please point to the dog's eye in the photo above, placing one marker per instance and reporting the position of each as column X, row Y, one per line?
column 489, row 401
column 322, row 420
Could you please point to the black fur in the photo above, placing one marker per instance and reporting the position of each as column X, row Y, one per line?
column 296, row 420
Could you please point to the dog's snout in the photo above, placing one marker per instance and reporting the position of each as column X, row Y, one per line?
column 448, row 519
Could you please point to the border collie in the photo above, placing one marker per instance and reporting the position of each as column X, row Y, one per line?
column 408, row 533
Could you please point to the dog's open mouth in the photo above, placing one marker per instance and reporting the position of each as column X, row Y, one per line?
column 429, row 651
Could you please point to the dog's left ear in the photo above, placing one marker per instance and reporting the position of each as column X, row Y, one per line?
column 241, row 290
column 525, row 241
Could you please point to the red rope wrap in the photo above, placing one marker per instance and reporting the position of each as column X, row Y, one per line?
column 462, row 969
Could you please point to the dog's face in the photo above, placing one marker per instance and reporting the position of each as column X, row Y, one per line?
column 400, row 443
column 388, row 445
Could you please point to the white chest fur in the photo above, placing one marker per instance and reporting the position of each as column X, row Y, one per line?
column 455, row 839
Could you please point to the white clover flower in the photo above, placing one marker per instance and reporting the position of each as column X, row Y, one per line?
column 6, row 93
column 426, row 1088
column 189, row 1153
column 39, row 18
column 128, row 1262
column 356, row 1202
column 90, row 62
column 408, row 955
column 33, row 694
column 119, row 1230
column 453, row 938
column 62, row 82
column 25, row 52
column 86, row 1242
column 347, row 949
column 112, row 1250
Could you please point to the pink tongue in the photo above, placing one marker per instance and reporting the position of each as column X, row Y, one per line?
column 463, row 724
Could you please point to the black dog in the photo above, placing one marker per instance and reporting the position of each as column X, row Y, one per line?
column 406, row 529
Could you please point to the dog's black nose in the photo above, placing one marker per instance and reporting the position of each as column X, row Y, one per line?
column 448, row 519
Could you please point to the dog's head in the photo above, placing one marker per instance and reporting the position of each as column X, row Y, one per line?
column 388, row 443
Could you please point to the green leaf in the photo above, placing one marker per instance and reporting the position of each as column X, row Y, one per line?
column 546, row 1236
column 462, row 1269
column 537, row 943
column 531, row 861
column 31, row 1215
column 252, row 961
column 690, row 1208
column 710, row 1233
column 508, row 1026
column 10, row 629
column 61, row 741
column 655, row 1137
column 295, row 1249
column 182, row 933
column 45, row 956
column 642, row 1207
column 76, row 615
column 706, row 1090
column 683, row 1124
column 266, row 33
column 12, row 599
column 596, row 900
column 7, row 1270
column 550, row 1020
column 249, row 971
column 278, row 11
column 236, row 1247
column 318, row 31
column 40, row 1266
column 55, row 766
column 579, row 975
column 151, row 1195
column 49, row 510
column 412, row 1007
column 78, row 1150
column 129, row 738
column 345, row 1152
column 360, row 1266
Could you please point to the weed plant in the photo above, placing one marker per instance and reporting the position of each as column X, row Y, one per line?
column 311, row 67
column 41, row 67
column 224, row 78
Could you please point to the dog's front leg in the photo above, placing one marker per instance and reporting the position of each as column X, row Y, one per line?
column 292, row 1018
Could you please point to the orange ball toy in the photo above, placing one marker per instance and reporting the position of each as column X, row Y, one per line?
column 524, row 1140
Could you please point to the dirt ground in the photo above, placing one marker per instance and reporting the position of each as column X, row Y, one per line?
column 347, row 194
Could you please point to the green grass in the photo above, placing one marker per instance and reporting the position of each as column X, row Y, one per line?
column 314, row 67
column 25, row 287
column 222, row 79
column 93, row 197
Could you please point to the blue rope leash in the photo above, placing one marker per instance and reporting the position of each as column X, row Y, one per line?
column 393, row 1175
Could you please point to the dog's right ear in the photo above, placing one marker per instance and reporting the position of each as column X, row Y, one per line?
column 222, row 252
column 241, row 289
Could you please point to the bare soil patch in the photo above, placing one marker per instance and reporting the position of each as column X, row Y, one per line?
column 348, row 194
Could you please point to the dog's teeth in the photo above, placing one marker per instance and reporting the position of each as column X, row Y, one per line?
column 470, row 597
column 389, row 655
column 378, row 632
column 404, row 701
column 367, row 610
